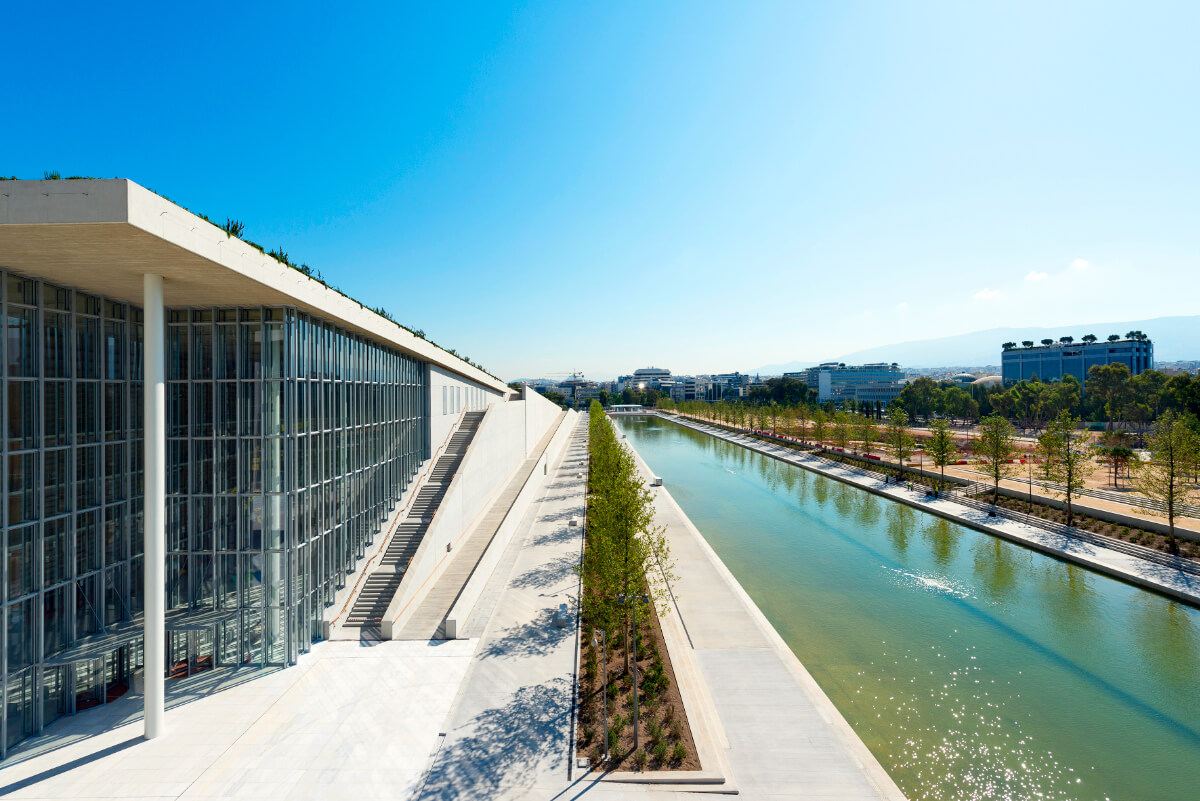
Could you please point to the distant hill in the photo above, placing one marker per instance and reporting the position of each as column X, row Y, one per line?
column 1175, row 339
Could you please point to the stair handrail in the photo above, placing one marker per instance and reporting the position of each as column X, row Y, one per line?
column 400, row 515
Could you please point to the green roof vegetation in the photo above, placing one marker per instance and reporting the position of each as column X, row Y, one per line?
column 235, row 228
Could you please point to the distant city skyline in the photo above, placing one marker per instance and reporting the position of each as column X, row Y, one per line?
column 700, row 186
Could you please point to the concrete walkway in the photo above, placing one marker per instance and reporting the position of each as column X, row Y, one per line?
column 349, row 721
column 508, row 734
column 1159, row 578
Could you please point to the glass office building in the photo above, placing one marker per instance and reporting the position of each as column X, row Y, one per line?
column 1056, row 361
column 289, row 441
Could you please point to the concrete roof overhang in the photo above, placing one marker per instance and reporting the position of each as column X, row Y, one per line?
column 101, row 236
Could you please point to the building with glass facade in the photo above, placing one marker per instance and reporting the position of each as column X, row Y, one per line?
column 1055, row 361
column 291, row 421
column 864, row 383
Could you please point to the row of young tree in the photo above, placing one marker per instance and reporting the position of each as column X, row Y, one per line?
column 622, row 542
column 1064, row 454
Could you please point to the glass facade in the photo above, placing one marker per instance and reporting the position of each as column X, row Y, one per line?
column 289, row 440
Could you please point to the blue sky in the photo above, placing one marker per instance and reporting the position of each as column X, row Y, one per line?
column 700, row 186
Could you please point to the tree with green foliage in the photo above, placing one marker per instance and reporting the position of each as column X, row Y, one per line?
column 867, row 432
column 940, row 447
column 897, row 438
column 819, row 427
column 1070, row 461
column 622, row 543
column 1108, row 385
column 1173, row 450
column 994, row 448
column 842, row 429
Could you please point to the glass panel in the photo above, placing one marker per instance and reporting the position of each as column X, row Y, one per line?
column 226, row 409
column 177, row 409
column 114, row 472
column 114, row 349
column 177, row 352
column 57, row 497
column 87, row 347
column 202, row 351
column 87, row 548
column 23, row 408
column 87, row 477
column 250, row 396
column 202, row 471
column 177, row 467
column 57, row 330
column 57, row 402
column 226, row 466
column 225, row 360
column 87, row 412
column 251, row 353
column 115, row 544
column 55, row 297
column 202, row 409
column 114, row 411
column 22, row 488
column 55, row 567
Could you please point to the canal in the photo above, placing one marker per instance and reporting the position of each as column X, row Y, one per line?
column 973, row 668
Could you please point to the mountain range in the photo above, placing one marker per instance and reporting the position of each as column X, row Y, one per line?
column 1175, row 339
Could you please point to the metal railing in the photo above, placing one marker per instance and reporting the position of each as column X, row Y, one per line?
column 1158, row 557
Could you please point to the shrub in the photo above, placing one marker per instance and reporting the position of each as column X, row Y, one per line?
column 588, row 733
column 641, row 758
column 656, row 731
column 661, row 751
column 618, row 722
column 614, row 742
column 680, row 752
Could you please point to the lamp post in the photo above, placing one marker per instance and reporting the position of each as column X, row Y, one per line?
column 599, row 641
column 632, row 600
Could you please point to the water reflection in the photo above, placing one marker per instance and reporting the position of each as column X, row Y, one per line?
column 942, row 536
column 996, row 565
column 1170, row 642
column 901, row 521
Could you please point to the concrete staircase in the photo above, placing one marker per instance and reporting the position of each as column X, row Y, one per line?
column 378, row 589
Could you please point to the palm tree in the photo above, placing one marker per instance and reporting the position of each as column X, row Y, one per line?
column 1113, row 337
column 1088, row 338
column 1047, row 342
column 1027, row 343
column 1009, row 345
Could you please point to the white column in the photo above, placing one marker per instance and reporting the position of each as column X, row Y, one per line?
column 154, row 376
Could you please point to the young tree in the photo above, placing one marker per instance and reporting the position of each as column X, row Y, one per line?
column 842, row 429
column 819, row 427
column 867, row 432
column 803, row 415
column 897, row 438
column 1173, row 450
column 940, row 446
column 995, row 446
column 1071, row 459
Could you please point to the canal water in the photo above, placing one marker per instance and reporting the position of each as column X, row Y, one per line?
column 973, row 668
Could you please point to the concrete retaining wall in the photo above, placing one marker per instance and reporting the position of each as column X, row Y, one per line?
column 498, row 448
column 449, row 395
column 553, row 454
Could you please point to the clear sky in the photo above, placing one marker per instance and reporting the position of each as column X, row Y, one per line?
column 700, row 186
